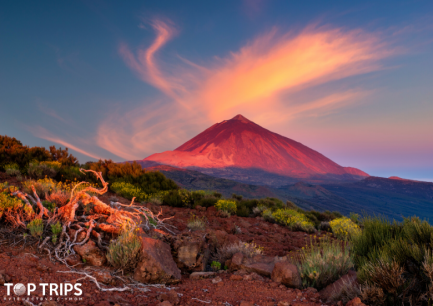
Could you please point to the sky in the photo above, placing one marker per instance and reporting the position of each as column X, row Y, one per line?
column 123, row 80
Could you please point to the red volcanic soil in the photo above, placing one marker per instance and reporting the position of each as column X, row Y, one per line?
column 29, row 265
column 241, row 143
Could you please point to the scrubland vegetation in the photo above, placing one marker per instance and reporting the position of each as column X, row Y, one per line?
column 393, row 260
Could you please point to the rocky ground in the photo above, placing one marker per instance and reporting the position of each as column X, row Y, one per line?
column 181, row 258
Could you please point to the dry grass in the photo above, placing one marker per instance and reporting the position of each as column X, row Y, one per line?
column 247, row 249
column 196, row 224
column 349, row 291
column 372, row 295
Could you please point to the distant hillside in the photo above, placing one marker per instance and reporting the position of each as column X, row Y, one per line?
column 194, row 180
column 372, row 195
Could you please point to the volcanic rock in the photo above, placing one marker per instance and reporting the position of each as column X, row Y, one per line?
column 156, row 264
column 91, row 253
column 286, row 273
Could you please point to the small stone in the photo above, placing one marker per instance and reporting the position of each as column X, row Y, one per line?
column 165, row 303
column 235, row 277
column 283, row 303
column 42, row 268
column 216, row 280
column 200, row 275
column 103, row 277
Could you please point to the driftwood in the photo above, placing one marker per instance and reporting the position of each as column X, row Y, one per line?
column 97, row 217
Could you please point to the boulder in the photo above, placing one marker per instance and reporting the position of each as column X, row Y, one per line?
column 91, row 253
column 264, row 269
column 287, row 274
column 190, row 252
column 334, row 290
column 170, row 296
column 236, row 261
column 156, row 264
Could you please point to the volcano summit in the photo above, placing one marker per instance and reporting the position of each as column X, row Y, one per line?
column 240, row 146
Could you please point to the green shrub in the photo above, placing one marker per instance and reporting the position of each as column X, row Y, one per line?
column 8, row 203
column 268, row 215
column 49, row 205
column 344, row 228
column 36, row 227
column 42, row 186
column 124, row 252
column 207, row 201
column 217, row 195
column 293, row 220
column 196, row 224
column 12, row 169
column 38, row 170
column 226, row 205
column 130, row 191
column 149, row 182
column 215, row 265
column 323, row 263
column 237, row 197
column 56, row 229
column 70, row 173
column 243, row 211
column 172, row 198
column 390, row 258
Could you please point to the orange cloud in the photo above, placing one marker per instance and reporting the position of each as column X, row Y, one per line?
column 259, row 81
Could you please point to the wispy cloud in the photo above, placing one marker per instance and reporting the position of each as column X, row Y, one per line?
column 258, row 81
column 43, row 133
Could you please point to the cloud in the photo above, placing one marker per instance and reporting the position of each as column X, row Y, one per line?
column 43, row 133
column 259, row 80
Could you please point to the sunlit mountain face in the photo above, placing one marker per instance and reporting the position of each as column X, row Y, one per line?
column 241, row 144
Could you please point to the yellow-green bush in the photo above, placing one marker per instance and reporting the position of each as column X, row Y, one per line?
column 226, row 205
column 129, row 191
column 344, row 228
column 48, row 186
column 43, row 169
column 293, row 220
column 12, row 169
column 323, row 263
column 8, row 202
column 56, row 229
column 36, row 227
column 124, row 252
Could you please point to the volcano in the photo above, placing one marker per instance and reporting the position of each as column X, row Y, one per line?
column 241, row 144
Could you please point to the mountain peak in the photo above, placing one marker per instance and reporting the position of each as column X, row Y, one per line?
column 241, row 118
column 240, row 143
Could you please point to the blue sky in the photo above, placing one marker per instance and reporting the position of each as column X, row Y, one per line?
column 350, row 79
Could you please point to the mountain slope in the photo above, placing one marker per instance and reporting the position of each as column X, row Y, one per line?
column 240, row 143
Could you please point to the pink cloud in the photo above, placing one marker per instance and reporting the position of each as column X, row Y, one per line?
column 258, row 80
column 43, row 133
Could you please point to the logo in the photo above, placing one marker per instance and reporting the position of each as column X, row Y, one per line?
column 19, row 289
column 50, row 292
